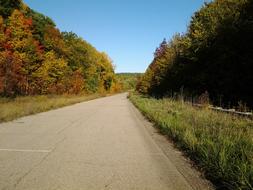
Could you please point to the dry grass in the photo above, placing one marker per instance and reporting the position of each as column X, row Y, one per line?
column 21, row 106
column 219, row 143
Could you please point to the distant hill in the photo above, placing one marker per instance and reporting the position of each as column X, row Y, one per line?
column 128, row 81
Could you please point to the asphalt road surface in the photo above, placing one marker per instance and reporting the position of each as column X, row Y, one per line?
column 99, row 144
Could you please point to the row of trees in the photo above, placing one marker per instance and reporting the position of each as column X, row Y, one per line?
column 215, row 55
column 36, row 58
column 128, row 81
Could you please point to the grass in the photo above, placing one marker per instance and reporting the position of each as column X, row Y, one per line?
column 220, row 144
column 22, row 106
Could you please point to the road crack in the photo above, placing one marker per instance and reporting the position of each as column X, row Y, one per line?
column 37, row 165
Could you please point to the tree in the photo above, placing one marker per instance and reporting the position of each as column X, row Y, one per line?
column 215, row 55
column 77, row 82
column 40, row 24
column 22, row 43
column 8, row 6
column 36, row 58
column 2, row 33
column 53, row 40
column 11, row 77
column 51, row 74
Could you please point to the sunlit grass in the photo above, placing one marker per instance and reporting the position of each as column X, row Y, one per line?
column 220, row 144
column 21, row 106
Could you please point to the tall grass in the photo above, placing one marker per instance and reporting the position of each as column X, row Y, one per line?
column 21, row 106
column 219, row 143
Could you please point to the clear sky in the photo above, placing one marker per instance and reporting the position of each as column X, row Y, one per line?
column 127, row 30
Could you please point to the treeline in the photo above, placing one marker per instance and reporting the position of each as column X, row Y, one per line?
column 36, row 58
column 128, row 81
column 215, row 55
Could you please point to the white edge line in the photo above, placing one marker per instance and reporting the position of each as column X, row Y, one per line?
column 24, row 150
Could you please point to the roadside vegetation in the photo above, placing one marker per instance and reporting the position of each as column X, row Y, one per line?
column 36, row 58
column 220, row 144
column 127, row 81
column 22, row 106
column 42, row 68
column 214, row 55
column 210, row 63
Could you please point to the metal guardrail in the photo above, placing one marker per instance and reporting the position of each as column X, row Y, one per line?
column 229, row 111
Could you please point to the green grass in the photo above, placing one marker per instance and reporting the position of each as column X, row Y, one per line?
column 220, row 144
column 21, row 106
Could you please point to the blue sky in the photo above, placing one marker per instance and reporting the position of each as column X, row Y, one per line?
column 127, row 30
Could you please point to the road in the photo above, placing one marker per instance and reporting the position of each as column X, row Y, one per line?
column 99, row 144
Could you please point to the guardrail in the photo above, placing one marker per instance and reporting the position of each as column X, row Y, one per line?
column 229, row 111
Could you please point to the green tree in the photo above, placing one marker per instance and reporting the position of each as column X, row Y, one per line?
column 214, row 55
column 8, row 6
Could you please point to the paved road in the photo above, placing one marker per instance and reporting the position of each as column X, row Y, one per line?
column 100, row 144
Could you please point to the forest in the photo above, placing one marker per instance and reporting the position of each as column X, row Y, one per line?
column 213, row 57
column 36, row 58
column 127, row 81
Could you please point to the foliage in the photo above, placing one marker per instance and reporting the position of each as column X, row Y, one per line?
column 7, row 7
column 36, row 58
column 128, row 81
column 214, row 55
column 220, row 144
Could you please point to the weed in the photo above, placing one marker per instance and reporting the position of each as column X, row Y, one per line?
column 21, row 106
column 219, row 143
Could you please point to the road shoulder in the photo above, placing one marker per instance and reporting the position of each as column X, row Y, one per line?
column 183, row 164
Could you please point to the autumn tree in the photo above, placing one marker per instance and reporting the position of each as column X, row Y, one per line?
column 52, row 73
column 8, row 6
column 36, row 58
column 25, row 46
column 40, row 25
column 106, row 71
column 77, row 82
column 11, row 77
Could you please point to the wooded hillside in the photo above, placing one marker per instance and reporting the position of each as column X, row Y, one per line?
column 214, row 57
column 37, row 58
